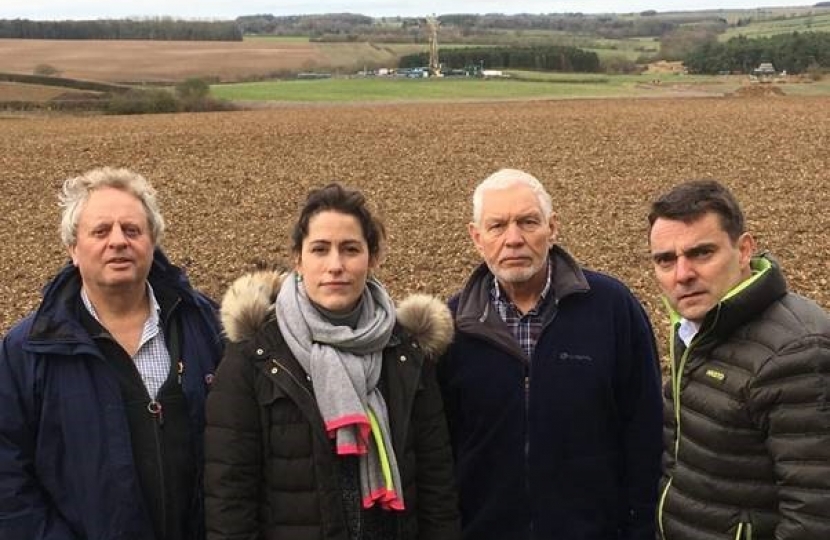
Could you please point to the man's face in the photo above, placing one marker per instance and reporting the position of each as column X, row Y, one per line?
column 114, row 246
column 697, row 264
column 513, row 235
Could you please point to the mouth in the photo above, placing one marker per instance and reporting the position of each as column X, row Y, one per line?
column 514, row 260
column 690, row 296
column 119, row 260
column 335, row 284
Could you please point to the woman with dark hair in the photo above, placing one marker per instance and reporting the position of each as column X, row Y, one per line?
column 325, row 419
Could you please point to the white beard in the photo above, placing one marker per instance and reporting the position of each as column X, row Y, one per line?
column 517, row 275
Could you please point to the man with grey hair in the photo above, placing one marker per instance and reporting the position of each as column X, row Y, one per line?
column 102, row 388
column 551, row 386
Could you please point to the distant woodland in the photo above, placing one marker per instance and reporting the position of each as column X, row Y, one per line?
column 468, row 28
column 163, row 29
column 543, row 41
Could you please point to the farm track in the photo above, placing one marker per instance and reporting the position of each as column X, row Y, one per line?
column 231, row 183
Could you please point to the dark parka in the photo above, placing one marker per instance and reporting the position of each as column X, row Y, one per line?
column 747, row 420
column 564, row 445
column 67, row 470
column 271, row 472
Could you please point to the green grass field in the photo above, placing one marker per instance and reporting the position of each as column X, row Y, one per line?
column 518, row 85
column 522, row 85
column 819, row 22
column 393, row 89
column 356, row 56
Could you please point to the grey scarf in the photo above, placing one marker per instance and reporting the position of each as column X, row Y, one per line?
column 345, row 364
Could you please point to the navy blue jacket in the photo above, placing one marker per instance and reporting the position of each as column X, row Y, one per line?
column 564, row 445
column 66, row 464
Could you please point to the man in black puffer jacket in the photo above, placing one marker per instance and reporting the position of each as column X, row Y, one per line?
column 747, row 409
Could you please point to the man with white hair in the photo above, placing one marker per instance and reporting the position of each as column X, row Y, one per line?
column 551, row 386
column 102, row 389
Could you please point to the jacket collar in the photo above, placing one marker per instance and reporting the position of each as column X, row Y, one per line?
column 56, row 323
column 248, row 307
column 742, row 304
column 475, row 313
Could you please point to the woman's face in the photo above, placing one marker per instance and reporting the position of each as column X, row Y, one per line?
column 334, row 261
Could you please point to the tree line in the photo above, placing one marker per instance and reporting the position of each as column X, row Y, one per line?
column 795, row 53
column 550, row 58
column 464, row 28
column 164, row 29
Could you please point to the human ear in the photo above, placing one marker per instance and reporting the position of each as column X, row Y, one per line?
column 70, row 250
column 475, row 235
column 553, row 223
column 746, row 246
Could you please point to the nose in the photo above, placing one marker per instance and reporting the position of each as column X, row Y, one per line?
column 117, row 237
column 334, row 263
column 684, row 270
column 513, row 235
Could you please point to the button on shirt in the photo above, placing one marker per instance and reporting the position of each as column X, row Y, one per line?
column 525, row 328
column 152, row 358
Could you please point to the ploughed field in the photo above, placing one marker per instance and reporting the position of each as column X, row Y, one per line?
column 231, row 183
column 137, row 61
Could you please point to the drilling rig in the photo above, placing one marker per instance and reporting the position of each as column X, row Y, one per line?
column 434, row 64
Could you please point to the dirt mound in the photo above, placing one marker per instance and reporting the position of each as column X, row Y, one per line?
column 759, row 90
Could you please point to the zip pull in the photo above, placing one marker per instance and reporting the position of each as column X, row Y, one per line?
column 180, row 371
column 154, row 408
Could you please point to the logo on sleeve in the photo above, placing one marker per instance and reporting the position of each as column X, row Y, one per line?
column 717, row 375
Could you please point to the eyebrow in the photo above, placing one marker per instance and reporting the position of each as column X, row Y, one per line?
column 689, row 252
column 329, row 242
column 533, row 214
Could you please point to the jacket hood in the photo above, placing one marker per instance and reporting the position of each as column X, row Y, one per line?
column 248, row 305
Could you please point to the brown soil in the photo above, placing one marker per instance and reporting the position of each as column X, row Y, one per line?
column 28, row 92
column 231, row 183
column 155, row 61
column 759, row 90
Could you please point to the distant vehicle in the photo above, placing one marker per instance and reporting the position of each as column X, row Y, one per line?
column 764, row 72
column 492, row 73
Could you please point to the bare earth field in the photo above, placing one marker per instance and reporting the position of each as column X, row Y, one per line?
column 28, row 92
column 231, row 183
column 156, row 61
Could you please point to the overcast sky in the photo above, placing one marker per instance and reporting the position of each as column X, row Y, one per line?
column 230, row 9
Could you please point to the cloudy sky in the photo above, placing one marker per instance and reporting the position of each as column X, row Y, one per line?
column 229, row 9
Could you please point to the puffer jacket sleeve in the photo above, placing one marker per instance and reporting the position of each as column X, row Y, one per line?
column 25, row 510
column 790, row 402
column 233, row 451
column 438, row 515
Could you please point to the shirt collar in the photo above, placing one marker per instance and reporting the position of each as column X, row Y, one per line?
column 155, row 308
column 687, row 330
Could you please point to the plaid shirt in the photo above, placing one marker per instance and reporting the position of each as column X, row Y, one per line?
column 152, row 358
column 525, row 328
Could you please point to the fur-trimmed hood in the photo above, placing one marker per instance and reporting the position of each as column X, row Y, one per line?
column 249, row 303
